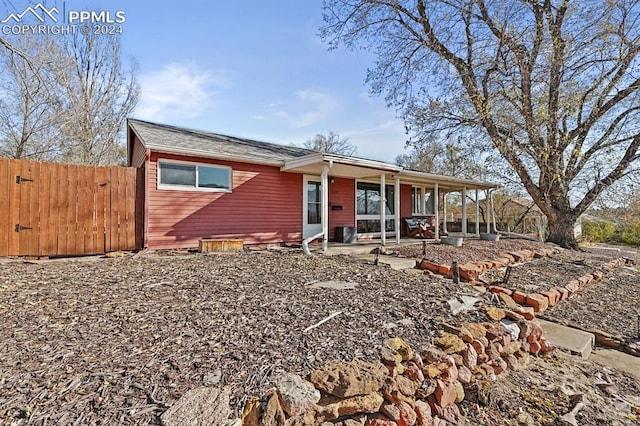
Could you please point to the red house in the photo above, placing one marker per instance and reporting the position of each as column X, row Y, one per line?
column 205, row 185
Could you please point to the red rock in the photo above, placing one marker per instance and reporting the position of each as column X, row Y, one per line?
column 545, row 346
column 512, row 362
column 538, row 302
column 504, row 260
column 494, row 331
column 572, row 286
column 519, row 297
column 487, row 264
column 378, row 419
column 451, row 414
column 417, row 360
column 414, row 373
column 497, row 289
column 564, row 293
column 505, row 340
column 478, row 346
column 497, row 264
column 538, row 254
column 536, row 330
column 552, row 296
column 464, row 375
column 445, row 393
column 597, row 275
column 518, row 257
column 499, row 365
column 451, row 372
column 534, row 347
column 470, row 271
column 470, row 357
column 508, row 300
column 585, row 279
column 408, row 416
column 429, row 266
column 423, row 413
column 444, row 270
column 526, row 311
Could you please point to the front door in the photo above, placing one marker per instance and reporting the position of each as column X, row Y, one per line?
column 311, row 206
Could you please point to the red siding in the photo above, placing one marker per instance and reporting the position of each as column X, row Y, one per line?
column 265, row 206
column 342, row 192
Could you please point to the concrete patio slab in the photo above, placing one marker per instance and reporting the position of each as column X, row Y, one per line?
column 397, row 263
column 570, row 339
column 618, row 360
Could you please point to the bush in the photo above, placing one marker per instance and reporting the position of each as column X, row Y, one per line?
column 599, row 232
column 630, row 234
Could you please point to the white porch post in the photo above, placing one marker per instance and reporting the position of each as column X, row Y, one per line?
column 444, row 212
column 324, row 184
column 383, row 213
column 464, row 212
column 487, row 215
column 436, row 207
column 477, row 214
column 423, row 203
column 396, row 209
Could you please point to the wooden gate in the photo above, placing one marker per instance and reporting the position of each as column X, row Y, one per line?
column 51, row 209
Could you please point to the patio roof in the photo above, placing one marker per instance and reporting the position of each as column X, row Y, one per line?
column 359, row 168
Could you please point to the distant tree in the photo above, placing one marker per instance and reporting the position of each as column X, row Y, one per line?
column 552, row 84
column 451, row 157
column 27, row 103
column 96, row 96
column 331, row 143
column 64, row 98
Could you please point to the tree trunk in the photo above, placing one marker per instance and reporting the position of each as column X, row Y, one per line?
column 561, row 229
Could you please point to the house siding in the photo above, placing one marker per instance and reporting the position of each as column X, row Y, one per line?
column 264, row 207
column 342, row 192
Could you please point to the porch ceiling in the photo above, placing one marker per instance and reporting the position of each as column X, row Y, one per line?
column 356, row 168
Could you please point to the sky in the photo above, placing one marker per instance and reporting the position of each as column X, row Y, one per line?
column 249, row 68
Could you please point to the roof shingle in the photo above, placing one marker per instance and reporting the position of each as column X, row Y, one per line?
column 173, row 139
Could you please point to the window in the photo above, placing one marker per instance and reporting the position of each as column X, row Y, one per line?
column 368, row 198
column 420, row 201
column 193, row 176
column 314, row 203
column 416, row 201
column 368, row 207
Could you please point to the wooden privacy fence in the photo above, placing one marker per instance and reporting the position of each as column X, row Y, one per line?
column 51, row 209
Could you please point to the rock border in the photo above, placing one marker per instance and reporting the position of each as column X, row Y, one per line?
column 403, row 388
column 519, row 302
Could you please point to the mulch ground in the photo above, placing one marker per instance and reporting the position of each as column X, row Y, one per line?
column 120, row 340
column 102, row 341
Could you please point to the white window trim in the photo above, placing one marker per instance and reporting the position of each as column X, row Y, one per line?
column 169, row 187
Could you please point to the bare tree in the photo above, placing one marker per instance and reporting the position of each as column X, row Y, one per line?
column 552, row 84
column 27, row 104
column 97, row 95
column 450, row 157
column 331, row 142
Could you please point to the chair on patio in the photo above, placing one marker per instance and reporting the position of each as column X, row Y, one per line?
column 416, row 228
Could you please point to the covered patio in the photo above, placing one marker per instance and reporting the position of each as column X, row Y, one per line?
column 384, row 194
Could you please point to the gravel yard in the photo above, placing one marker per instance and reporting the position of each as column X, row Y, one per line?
column 119, row 340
